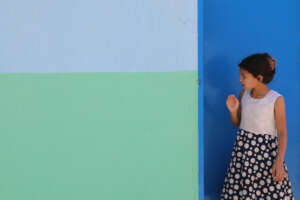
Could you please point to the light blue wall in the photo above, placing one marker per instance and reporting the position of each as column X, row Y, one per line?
column 233, row 30
column 54, row 36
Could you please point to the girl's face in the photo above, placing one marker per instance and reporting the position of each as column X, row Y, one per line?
column 248, row 81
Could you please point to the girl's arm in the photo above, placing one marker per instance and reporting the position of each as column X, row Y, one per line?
column 281, row 127
column 235, row 115
column 280, row 120
column 240, row 107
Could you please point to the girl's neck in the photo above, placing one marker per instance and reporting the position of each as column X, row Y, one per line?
column 259, row 91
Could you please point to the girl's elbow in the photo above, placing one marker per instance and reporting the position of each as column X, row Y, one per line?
column 236, row 124
column 282, row 133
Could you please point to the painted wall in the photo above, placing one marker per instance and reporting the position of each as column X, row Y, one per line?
column 233, row 30
column 97, row 36
column 98, row 100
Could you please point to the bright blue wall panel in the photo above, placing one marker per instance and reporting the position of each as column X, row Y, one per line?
column 201, row 159
column 233, row 30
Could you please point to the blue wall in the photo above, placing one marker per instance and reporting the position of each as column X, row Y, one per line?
column 233, row 30
column 200, row 100
column 53, row 36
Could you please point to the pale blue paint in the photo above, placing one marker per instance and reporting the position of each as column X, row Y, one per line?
column 54, row 36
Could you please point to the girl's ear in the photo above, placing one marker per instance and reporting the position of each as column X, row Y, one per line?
column 260, row 78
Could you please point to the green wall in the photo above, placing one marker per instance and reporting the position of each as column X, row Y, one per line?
column 106, row 136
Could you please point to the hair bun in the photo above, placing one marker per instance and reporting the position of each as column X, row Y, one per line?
column 274, row 62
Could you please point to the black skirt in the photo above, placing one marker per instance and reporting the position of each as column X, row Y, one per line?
column 249, row 175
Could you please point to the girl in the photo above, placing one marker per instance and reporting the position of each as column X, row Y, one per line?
column 257, row 169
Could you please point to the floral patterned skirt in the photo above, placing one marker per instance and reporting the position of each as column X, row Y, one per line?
column 249, row 175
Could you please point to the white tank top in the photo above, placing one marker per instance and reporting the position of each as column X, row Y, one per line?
column 257, row 115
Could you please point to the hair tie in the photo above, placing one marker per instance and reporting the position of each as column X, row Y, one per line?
column 274, row 62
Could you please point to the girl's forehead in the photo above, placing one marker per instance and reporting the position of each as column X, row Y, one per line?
column 244, row 72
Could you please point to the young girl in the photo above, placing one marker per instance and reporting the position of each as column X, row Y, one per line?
column 257, row 169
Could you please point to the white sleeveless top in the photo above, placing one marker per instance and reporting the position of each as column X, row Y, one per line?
column 257, row 115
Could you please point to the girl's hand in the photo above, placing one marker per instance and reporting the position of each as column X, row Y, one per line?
column 278, row 171
column 232, row 103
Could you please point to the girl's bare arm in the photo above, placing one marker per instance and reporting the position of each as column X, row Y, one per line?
column 236, row 116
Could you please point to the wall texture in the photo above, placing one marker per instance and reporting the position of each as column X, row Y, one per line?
column 99, row 100
column 233, row 30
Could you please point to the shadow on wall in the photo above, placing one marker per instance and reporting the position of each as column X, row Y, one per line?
column 219, row 132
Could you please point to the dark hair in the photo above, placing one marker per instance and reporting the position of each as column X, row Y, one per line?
column 259, row 64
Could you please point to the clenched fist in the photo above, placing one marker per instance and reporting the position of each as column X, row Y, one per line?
column 232, row 103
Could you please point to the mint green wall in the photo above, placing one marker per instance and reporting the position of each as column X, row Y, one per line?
column 98, row 100
column 106, row 136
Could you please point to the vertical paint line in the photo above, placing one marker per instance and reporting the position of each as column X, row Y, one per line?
column 200, row 100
